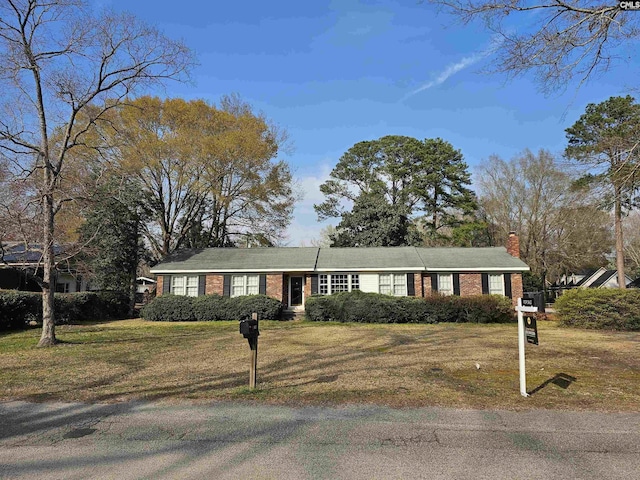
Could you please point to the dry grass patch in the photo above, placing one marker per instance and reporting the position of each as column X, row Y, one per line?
column 313, row 363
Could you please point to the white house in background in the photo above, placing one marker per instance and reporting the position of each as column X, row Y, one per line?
column 18, row 257
column 145, row 284
column 594, row 278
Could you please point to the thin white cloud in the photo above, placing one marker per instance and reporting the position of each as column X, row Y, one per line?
column 456, row 67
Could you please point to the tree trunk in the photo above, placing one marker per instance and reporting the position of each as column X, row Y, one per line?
column 48, row 337
column 622, row 284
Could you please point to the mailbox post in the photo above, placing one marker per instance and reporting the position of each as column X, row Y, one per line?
column 249, row 330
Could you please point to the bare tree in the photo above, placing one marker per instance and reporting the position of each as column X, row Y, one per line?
column 558, row 39
column 559, row 228
column 62, row 68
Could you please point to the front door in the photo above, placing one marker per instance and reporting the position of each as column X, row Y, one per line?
column 296, row 293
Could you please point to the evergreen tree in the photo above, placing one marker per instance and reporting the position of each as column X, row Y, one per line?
column 112, row 234
column 393, row 181
column 606, row 138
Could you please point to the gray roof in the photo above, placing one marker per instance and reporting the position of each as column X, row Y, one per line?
column 309, row 259
column 240, row 259
column 494, row 258
column 369, row 258
column 22, row 254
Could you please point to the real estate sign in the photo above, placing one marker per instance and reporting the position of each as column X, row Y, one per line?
column 531, row 329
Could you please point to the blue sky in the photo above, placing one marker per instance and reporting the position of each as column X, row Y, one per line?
column 334, row 73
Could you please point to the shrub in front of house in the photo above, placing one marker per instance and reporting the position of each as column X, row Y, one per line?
column 169, row 308
column 17, row 308
column 377, row 308
column 209, row 308
column 611, row 309
column 73, row 307
column 267, row 308
column 178, row 308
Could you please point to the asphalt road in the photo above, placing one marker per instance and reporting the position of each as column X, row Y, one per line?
column 225, row 441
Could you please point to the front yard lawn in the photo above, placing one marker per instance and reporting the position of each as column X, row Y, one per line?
column 304, row 363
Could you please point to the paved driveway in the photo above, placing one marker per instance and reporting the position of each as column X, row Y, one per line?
column 220, row 441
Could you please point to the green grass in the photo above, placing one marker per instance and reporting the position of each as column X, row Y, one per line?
column 304, row 363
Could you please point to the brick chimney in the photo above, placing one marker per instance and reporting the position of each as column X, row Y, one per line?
column 513, row 245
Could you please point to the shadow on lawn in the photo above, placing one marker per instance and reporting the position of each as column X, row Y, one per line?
column 562, row 380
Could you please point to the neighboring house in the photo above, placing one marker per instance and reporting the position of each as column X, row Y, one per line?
column 21, row 263
column 594, row 278
column 292, row 274
column 145, row 284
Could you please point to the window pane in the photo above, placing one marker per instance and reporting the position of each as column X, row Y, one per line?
column 399, row 279
column 355, row 282
column 238, row 280
column 339, row 283
column 236, row 291
column 445, row 284
column 400, row 290
column 496, row 285
column 324, row 288
column 253, row 280
column 178, row 285
column 192, row 291
column 385, row 283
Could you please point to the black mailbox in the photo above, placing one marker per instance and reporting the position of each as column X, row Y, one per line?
column 249, row 328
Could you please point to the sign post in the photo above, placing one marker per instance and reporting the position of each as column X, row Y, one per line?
column 524, row 305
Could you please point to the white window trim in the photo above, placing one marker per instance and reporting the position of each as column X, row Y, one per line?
column 245, row 285
column 349, row 281
column 185, row 285
column 440, row 290
column 393, row 284
column 501, row 292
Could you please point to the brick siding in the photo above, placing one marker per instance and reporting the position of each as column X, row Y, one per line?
column 214, row 284
column 516, row 288
column 470, row 284
column 275, row 283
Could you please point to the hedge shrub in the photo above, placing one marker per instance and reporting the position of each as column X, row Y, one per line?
column 612, row 309
column 376, row 308
column 178, row 308
column 169, row 308
column 18, row 308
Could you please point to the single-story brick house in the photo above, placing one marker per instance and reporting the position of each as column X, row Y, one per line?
column 292, row 274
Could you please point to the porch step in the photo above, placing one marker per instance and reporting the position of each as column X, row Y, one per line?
column 292, row 314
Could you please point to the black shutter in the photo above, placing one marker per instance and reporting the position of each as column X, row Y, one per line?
column 166, row 284
column 485, row 283
column 507, row 284
column 263, row 285
column 226, row 285
column 456, row 284
column 411, row 287
column 314, row 284
column 202, row 285
column 434, row 282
